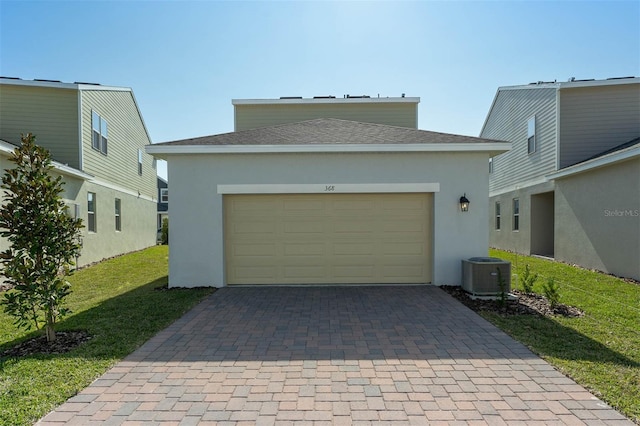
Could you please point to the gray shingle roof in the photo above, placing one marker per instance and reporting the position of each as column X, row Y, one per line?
column 330, row 131
column 620, row 147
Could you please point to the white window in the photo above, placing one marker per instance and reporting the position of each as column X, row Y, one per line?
column 164, row 195
column 498, row 216
column 516, row 214
column 140, row 162
column 118, row 216
column 91, row 212
column 531, row 135
column 99, row 134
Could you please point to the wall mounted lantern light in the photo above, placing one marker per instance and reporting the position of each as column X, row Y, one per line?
column 464, row 203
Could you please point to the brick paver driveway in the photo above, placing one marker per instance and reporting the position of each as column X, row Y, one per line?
column 333, row 355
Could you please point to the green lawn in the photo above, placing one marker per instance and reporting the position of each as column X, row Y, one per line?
column 116, row 302
column 600, row 350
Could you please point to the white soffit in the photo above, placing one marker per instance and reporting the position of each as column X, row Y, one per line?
column 341, row 188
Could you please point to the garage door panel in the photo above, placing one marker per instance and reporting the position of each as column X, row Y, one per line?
column 352, row 226
column 303, row 273
column 403, row 249
column 253, row 228
column 328, row 238
column 304, row 227
column 253, row 249
column 347, row 272
column 353, row 249
column 305, row 205
column 304, row 249
column 395, row 273
column 254, row 273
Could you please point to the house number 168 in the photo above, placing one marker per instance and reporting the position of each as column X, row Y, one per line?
column 329, row 188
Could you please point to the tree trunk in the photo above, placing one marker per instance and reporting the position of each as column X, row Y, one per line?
column 50, row 332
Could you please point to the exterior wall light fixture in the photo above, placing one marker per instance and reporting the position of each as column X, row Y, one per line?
column 464, row 203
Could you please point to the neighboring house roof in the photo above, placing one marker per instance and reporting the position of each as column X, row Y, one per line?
column 329, row 134
column 614, row 155
column 80, row 86
column 7, row 148
column 347, row 99
column 620, row 147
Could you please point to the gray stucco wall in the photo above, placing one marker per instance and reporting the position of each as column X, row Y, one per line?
column 598, row 219
column 196, row 221
column 507, row 238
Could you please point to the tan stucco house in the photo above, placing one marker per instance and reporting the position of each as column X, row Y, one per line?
column 325, row 200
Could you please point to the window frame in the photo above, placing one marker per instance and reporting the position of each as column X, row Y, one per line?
column 515, row 205
column 498, row 216
column 491, row 165
column 164, row 195
column 92, row 217
column 140, row 162
column 532, row 141
column 99, row 132
column 118, row 214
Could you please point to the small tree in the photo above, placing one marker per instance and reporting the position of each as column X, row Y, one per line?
column 43, row 238
column 528, row 279
column 164, row 233
column 551, row 292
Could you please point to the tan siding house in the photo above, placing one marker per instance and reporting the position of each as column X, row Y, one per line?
column 96, row 135
column 45, row 111
column 255, row 113
column 552, row 200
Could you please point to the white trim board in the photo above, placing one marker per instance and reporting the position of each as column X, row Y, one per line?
column 492, row 147
column 329, row 188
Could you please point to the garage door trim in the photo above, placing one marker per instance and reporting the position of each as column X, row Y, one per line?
column 339, row 188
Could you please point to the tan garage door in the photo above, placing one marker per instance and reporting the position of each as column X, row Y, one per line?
column 328, row 238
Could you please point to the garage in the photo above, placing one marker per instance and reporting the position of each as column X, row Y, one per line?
column 328, row 238
column 326, row 202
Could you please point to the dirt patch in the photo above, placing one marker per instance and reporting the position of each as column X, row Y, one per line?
column 520, row 304
column 65, row 341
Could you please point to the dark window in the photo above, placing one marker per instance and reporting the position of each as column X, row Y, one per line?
column 99, row 133
column 91, row 212
column 118, row 217
column 498, row 215
column 516, row 214
column 531, row 135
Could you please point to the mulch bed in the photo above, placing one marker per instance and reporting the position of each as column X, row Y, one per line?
column 65, row 341
column 520, row 304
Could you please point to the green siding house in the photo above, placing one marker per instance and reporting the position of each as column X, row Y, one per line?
column 96, row 135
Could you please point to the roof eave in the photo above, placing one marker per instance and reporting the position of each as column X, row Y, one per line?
column 298, row 101
column 596, row 163
column 161, row 151
column 8, row 149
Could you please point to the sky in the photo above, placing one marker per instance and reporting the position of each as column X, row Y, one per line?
column 186, row 60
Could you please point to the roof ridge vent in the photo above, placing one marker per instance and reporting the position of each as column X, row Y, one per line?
column 290, row 97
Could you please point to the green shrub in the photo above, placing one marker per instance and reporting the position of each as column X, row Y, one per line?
column 528, row 279
column 502, row 300
column 164, row 236
column 551, row 292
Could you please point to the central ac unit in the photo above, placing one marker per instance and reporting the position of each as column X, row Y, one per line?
column 480, row 276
